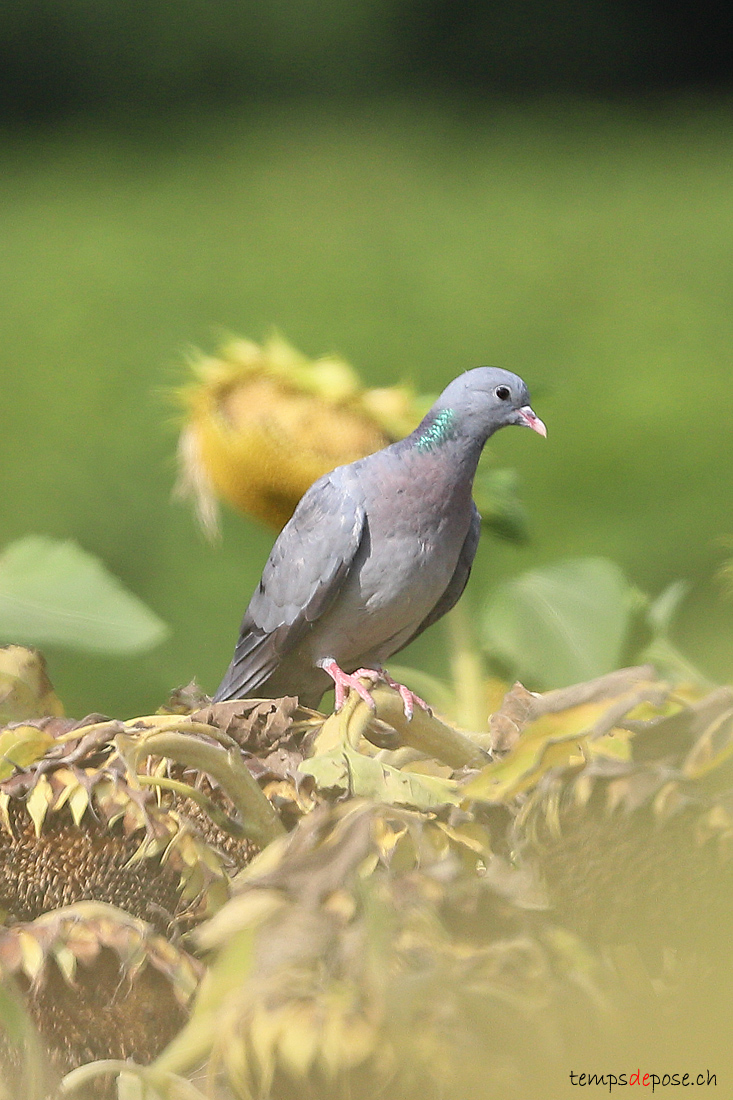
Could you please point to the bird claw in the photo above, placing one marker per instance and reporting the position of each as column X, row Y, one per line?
column 344, row 682
column 409, row 699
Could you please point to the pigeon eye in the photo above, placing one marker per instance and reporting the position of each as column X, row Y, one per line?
column 502, row 392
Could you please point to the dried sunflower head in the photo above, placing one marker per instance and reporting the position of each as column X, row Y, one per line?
column 98, row 983
column 263, row 422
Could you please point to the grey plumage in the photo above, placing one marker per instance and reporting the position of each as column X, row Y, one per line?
column 376, row 551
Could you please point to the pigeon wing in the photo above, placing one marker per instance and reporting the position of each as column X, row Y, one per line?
column 303, row 575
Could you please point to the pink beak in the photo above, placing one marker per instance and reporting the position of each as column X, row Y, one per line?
column 529, row 419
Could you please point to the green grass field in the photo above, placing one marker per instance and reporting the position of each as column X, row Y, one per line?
column 586, row 247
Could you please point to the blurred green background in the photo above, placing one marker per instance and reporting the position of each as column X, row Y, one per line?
column 416, row 186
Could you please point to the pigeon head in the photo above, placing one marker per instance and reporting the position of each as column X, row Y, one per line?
column 476, row 404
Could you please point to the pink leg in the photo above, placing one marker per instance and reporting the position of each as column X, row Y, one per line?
column 343, row 682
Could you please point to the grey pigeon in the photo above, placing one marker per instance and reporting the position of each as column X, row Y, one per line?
column 375, row 552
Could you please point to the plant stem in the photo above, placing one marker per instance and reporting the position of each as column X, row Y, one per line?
column 426, row 732
column 467, row 669
column 260, row 821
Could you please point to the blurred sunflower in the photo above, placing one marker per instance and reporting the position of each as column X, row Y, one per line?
column 263, row 422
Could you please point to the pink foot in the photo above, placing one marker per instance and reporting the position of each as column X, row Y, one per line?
column 344, row 681
column 409, row 699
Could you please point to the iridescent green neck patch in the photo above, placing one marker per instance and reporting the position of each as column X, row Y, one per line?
column 438, row 431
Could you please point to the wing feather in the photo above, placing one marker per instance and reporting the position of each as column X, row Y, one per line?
column 303, row 575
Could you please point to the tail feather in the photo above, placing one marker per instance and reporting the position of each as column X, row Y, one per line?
column 255, row 659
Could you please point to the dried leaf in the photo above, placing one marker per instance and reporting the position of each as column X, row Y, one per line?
column 559, row 736
column 4, row 813
column 469, row 834
column 713, row 748
column 31, row 954
column 78, row 803
column 550, row 740
column 349, row 771
column 506, row 724
column 262, row 1034
column 299, row 1038
column 39, row 801
column 66, row 962
column 253, row 723
column 25, row 689
column 21, row 746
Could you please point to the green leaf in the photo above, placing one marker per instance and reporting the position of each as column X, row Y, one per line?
column 495, row 493
column 364, row 777
column 664, row 608
column 55, row 593
column 561, row 624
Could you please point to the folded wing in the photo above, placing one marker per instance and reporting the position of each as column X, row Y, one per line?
column 305, row 571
